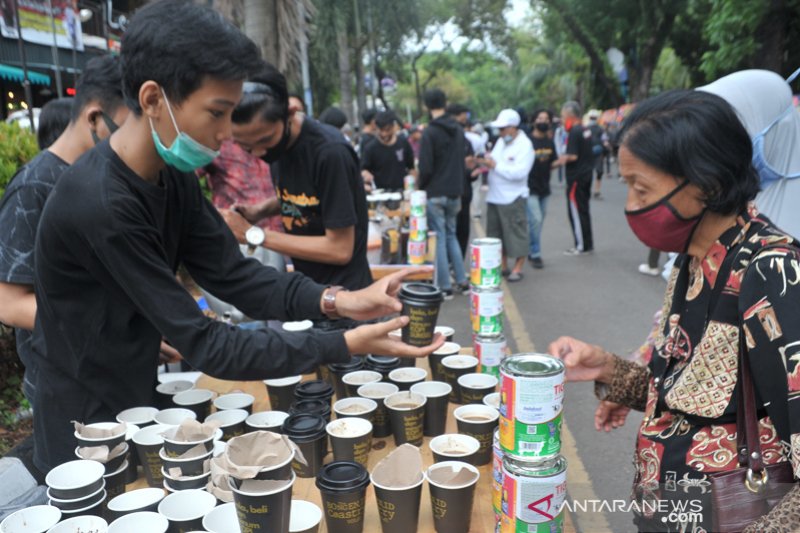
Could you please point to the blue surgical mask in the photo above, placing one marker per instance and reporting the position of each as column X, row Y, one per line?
column 766, row 173
column 185, row 154
column 508, row 139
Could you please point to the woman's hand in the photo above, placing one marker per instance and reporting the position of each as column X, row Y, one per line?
column 375, row 338
column 610, row 415
column 377, row 300
column 584, row 362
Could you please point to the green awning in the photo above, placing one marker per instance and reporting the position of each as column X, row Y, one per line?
column 15, row 74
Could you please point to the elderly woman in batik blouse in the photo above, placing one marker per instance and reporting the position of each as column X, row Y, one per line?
column 687, row 161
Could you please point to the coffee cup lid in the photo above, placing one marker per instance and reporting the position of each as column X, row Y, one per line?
column 382, row 360
column 303, row 425
column 355, row 363
column 342, row 476
column 422, row 292
column 317, row 407
column 316, row 387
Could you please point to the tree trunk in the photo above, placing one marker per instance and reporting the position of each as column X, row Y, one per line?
column 345, row 72
column 361, row 90
column 771, row 34
column 651, row 47
column 260, row 25
column 596, row 56
column 417, row 89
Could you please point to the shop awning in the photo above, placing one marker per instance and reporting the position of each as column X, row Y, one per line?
column 10, row 73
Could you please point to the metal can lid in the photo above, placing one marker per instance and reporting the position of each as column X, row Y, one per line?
column 486, row 241
column 481, row 290
column 545, row 467
column 532, row 365
column 490, row 339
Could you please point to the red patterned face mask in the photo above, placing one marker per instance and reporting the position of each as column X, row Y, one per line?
column 661, row 227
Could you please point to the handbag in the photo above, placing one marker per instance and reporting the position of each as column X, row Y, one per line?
column 741, row 496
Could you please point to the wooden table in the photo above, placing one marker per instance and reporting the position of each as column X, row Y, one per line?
column 304, row 488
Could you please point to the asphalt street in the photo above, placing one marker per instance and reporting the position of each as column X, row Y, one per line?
column 599, row 298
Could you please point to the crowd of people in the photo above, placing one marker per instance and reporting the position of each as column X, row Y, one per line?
column 104, row 216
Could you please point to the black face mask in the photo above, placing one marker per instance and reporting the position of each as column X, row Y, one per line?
column 542, row 126
column 277, row 151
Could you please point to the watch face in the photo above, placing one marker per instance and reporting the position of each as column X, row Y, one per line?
column 254, row 236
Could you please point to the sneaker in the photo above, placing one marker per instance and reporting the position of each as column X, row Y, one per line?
column 514, row 276
column 536, row 262
column 463, row 287
column 575, row 252
column 505, row 272
column 448, row 294
column 645, row 269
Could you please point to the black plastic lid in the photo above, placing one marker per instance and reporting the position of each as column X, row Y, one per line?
column 342, row 476
column 383, row 362
column 421, row 292
column 312, row 407
column 304, row 426
column 355, row 363
column 317, row 388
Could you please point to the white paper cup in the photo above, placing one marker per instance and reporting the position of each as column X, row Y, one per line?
column 305, row 515
column 37, row 519
column 80, row 523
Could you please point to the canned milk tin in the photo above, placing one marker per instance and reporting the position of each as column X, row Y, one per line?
column 419, row 201
column 409, row 182
column 417, row 250
column 490, row 351
column 486, row 311
column 531, row 399
column 497, row 473
column 418, row 223
column 533, row 494
column 485, row 269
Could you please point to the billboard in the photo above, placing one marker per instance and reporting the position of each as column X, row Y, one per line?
column 36, row 23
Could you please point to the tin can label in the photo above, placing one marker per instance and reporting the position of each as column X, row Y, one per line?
column 530, row 414
column 532, row 504
column 409, row 182
column 418, row 223
column 485, row 259
column 486, row 311
column 490, row 351
column 418, row 235
column 417, row 250
column 418, row 202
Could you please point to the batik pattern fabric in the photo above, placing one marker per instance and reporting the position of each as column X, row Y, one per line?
column 689, row 428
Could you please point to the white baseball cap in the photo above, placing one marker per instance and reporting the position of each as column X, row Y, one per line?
column 506, row 118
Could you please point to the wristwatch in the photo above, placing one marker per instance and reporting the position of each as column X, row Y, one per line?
column 255, row 238
column 329, row 302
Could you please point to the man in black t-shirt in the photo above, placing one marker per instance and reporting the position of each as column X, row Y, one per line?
column 579, row 163
column 539, row 182
column 320, row 192
column 94, row 115
column 388, row 160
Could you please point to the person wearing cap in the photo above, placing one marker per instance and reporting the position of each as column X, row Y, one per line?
column 579, row 163
column 506, row 203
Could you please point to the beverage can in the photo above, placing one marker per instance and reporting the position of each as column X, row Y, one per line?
column 486, row 312
column 533, row 493
column 531, row 402
column 485, row 263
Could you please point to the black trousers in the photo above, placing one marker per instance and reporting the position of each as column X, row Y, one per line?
column 579, row 190
column 463, row 221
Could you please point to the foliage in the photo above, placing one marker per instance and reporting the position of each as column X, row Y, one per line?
column 731, row 33
column 17, row 147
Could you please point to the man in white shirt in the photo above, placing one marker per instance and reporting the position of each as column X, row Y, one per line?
column 510, row 163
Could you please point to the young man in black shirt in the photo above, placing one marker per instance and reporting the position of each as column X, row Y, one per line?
column 539, row 182
column 320, row 192
column 123, row 217
column 95, row 112
column 390, row 158
column 579, row 164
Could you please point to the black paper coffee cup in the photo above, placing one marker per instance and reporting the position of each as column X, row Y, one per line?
column 343, row 486
column 351, row 439
column 353, row 380
column 315, row 407
column 480, row 422
column 308, row 432
column 456, row 366
column 405, row 377
column 233, row 422
column 185, row 509
column 317, row 389
column 197, row 400
column 474, row 387
column 281, row 392
column 407, row 414
column 382, row 363
column 381, row 425
column 262, row 505
column 165, row 392
column 421, row 303
column 435, row 359
column 454, row 447
column 235, row 400
column 398, row 507
column 148, row 444
column 339, row 370
column 451, row 502
column 356, row 408
column 437, row 393
column 115, row 481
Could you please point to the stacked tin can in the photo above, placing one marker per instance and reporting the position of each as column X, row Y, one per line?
column 530, row 475
column 418, row 228
column 486, row 304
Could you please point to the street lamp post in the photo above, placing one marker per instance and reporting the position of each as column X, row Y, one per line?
column 26, row 83
column 54, row 49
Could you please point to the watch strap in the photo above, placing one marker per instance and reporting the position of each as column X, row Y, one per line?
column 329, row 302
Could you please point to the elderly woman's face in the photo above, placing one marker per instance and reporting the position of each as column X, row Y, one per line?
column 648, row 185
